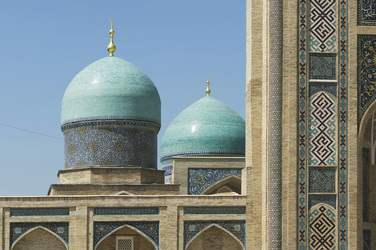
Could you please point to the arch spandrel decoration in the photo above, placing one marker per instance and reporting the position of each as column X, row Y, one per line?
column 199, row 179
column 18, row 229
column 235, row 227
column 104, row 228
column 322, row 227
column 15, row 244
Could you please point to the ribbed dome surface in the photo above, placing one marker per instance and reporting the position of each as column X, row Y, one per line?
column 207, row 127
column 111, row 88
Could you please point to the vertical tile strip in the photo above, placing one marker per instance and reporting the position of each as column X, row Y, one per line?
column 343, row 118
column 275, row 154
column 302, row 127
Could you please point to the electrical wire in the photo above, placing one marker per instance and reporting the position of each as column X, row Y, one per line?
column 30, row 131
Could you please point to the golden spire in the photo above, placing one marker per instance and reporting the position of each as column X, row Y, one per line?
column 111, row 47
column 207, row 88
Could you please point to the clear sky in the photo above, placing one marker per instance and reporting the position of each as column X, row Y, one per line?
column 44, row 44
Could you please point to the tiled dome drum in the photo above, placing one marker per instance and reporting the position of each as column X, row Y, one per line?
column 206, row 128
column 111, row 114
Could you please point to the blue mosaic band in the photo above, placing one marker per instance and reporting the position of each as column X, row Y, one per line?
column 275, row 143
column 39, row 211
column 215, row 210
column 126, row 211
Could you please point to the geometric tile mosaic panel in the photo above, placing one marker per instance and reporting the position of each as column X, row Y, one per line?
column 322, row 179
column 17, row 229
column 126, row 210
column 40, row 211
column 329, row 199
column 214, row 210
column 110, row 146
column 322, row 129
column 104, row 228
column 323, row 25
column 235, row 227
column 322, row 227
column 322, row 66
column 200, row 179
column 366, row 12
column 330, row 87
column 366, row 73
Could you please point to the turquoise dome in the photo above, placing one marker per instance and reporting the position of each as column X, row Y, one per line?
column 208, row 127
column 111, row 88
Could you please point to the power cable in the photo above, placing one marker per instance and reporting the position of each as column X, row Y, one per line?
column 30, row 131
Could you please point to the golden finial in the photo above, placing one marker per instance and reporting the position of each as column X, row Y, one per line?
column 207, row 88
column 111, row 47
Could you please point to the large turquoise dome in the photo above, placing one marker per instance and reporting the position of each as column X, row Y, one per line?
column 206, row 128
column 111, row 88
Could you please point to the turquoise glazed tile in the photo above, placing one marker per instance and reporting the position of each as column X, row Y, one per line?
column 206, row 128
column 111, row 88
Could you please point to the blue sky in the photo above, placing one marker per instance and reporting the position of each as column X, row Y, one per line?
column 44, row 44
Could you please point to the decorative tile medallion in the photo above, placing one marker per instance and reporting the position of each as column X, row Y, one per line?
column 323, row 129
column 323, row 25
column 215, row 210
column 322, row 179
column 40, row 211
column 366, row 12
column 110, row 146
column 200, row 179
column 235, row 227
column 18, row 229
column 366, row 73
column 104, row 228
column 322, row 66
column 322, row 227
column 126, row 210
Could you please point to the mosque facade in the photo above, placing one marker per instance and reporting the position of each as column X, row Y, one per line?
column 298, row 173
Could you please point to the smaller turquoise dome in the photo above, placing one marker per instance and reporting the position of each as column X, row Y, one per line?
column 208, row 127
column 111, row 88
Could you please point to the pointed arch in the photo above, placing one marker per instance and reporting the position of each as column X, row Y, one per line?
column 130, row 227
column 26, row 234
column 123, row 192
column 230, row 181
column 212, row 226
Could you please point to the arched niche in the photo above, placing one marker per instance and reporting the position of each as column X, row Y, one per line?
column 366, row 171
column 39, row 238
column 140, row 240
column 214, row 237
column 232, row 183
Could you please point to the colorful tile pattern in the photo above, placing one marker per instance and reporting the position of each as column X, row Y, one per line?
column 323, row 25
column 90, row 146
column 40, row 211
column 367, row 12
column 366, row 73
column 329, row 199
column 18, row 229
column 322, row 66
column 322, row 227
column 235, row 227
column 323, row 129
column 322, row 179
column 342, row 138
column 104, row 228
column 215, row 210
column 200, row 179
column 330, row 87
column 126, row 210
